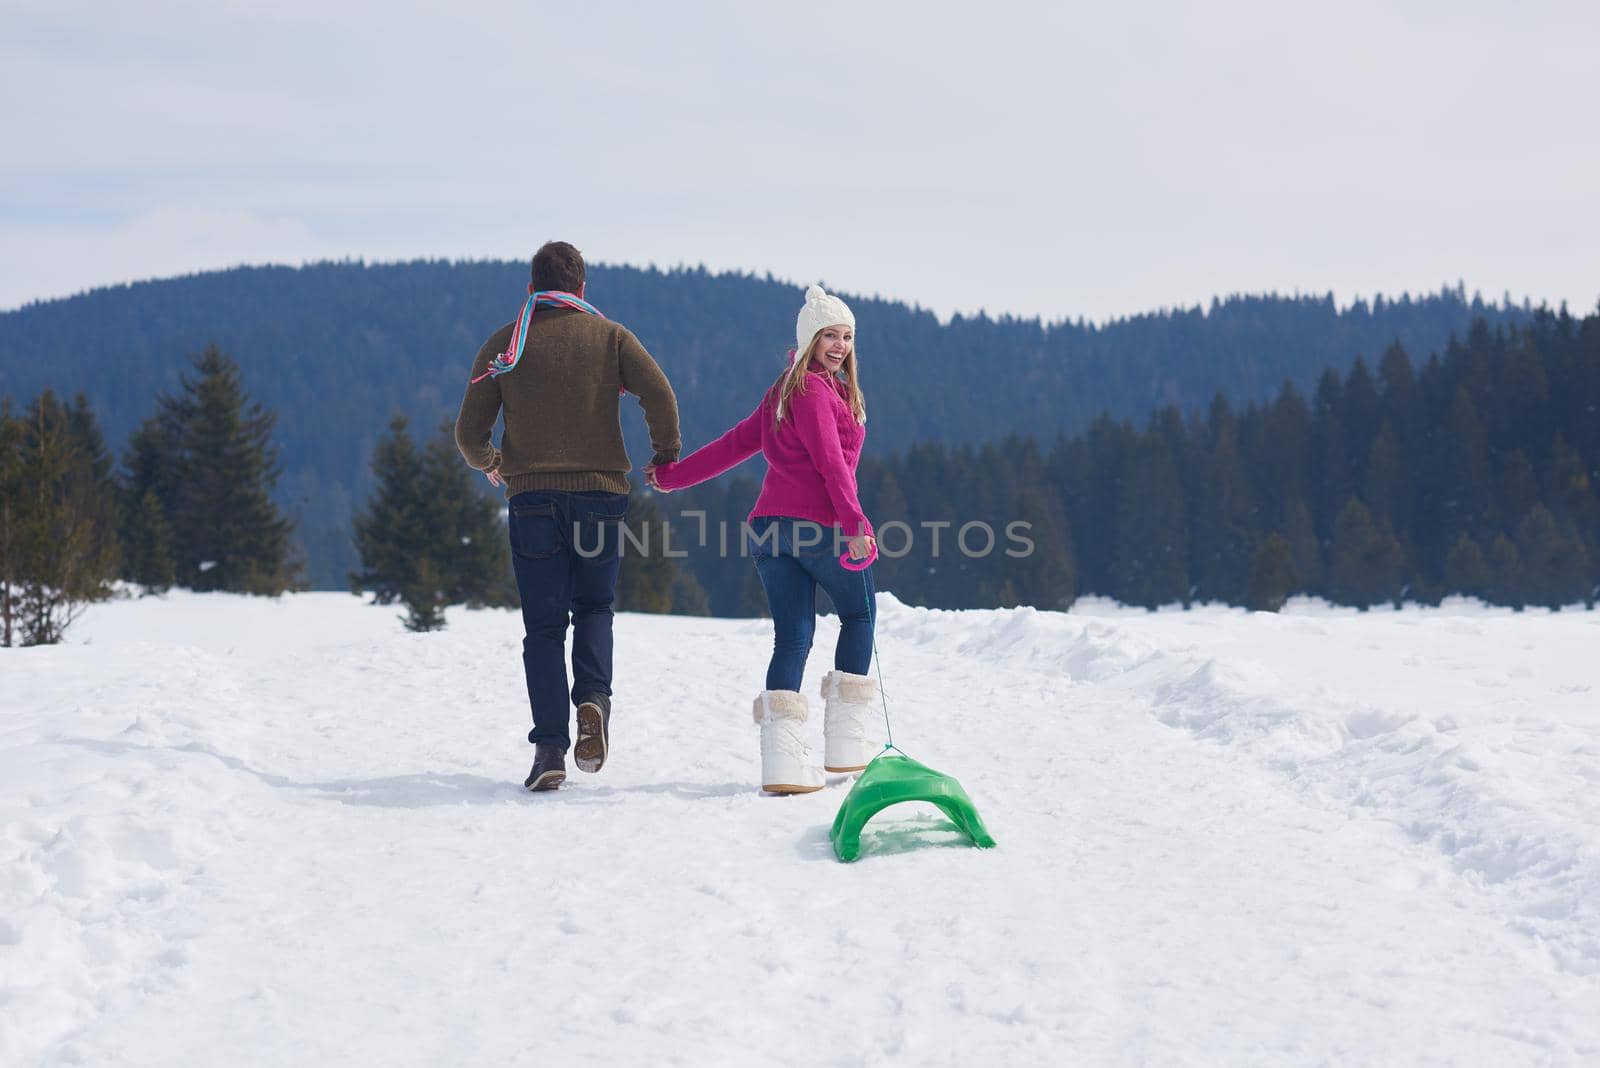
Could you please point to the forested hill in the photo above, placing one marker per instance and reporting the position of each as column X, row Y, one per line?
column 336, row 348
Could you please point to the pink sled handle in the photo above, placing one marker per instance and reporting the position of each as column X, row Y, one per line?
column 858, row 565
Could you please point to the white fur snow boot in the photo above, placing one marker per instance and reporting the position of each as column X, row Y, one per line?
column 844, row 722
column 785, row 769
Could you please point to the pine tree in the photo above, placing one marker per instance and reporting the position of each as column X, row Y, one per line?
column 1555, row 564
column 1272, row 575
column 1365, row 563
column 648, row 575
column 1301, row 535
column 1223, row 512
column 888, row 505
column 1387, row 492
column 148, row 488
column 1568, row 490
column 94, row 470
column 429, row 537
column 1044, row 577
column 1399, row 382
column 1360, row 415
column 1277, row 455
column 1096, row 467
column 391, row 534
column 466, row 526
column 1505, row 573
column 1518, row 489
column 147, row 544
column 1152, row 542
column 753, row 597
column 57, row 544
column 1465, row 478
column 215, row 471
column 706, row 524
column 11, row 520
column 1465, row 570
column 689, row 598
column 1331, row 481
column 424, row 594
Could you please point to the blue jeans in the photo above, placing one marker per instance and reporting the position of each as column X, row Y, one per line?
column 566, row 549
column 794, row 557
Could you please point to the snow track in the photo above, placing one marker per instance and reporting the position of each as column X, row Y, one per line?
column 247, row 831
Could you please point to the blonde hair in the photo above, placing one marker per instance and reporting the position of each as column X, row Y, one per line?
column 794, row 381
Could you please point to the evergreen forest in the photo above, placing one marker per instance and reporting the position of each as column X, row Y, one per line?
column 1473, row 473
column 1467, row 467
column 336, row 350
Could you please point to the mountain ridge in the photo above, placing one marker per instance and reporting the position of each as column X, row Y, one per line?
column 336, row 348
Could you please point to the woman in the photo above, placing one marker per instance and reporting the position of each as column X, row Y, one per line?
column 809, row 426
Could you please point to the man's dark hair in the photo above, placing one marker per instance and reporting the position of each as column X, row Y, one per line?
column 559, row 266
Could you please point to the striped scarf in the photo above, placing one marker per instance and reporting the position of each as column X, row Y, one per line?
column 544, row 298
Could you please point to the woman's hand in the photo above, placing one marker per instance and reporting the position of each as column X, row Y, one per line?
column 861, row 546
column 651, row 480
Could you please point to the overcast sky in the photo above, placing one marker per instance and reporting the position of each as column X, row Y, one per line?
column 1048, row 159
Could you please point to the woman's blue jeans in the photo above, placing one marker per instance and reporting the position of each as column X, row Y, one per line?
column 794, row 557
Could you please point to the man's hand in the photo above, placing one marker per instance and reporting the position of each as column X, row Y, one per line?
column 493, row 475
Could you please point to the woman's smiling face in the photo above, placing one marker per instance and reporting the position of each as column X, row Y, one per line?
column 833, row 346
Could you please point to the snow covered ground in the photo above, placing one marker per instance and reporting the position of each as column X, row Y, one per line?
column 239, row 831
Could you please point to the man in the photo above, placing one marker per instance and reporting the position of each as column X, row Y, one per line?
column 557, row 373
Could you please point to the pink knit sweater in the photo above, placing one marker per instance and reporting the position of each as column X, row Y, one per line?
column 811, row 459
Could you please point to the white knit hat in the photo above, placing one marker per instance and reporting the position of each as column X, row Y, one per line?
column 820, row 310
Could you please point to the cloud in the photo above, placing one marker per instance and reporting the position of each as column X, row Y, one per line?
column 1040, row 159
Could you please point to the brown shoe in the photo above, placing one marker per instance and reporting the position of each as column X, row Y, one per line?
column 549, row 767
column 594, row 734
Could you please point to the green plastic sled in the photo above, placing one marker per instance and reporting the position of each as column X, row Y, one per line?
column 889, row 780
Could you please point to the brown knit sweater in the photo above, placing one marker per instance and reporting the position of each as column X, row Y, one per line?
column 563, row 426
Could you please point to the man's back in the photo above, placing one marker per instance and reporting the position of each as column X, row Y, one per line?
column 562, row 425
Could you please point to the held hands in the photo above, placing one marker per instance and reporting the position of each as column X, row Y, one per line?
column 861, row 546
column 651, row 480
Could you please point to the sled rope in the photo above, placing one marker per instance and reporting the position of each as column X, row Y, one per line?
column 883, row 694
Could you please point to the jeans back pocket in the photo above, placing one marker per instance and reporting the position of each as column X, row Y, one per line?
column 597, row 527
column 535, row 531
